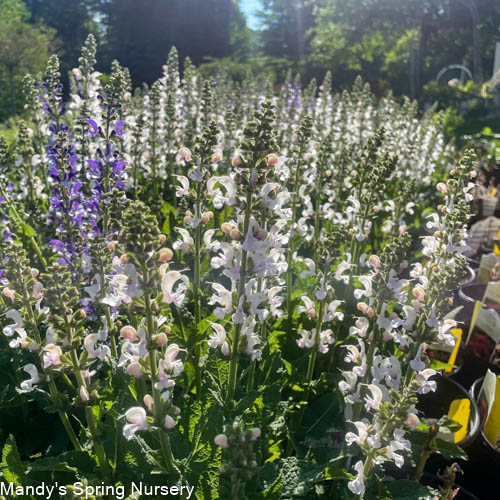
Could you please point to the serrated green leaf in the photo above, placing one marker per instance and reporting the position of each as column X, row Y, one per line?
column 14, row 468
column 404, row 489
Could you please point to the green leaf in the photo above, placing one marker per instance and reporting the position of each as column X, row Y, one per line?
column 299, row 476
column 404, row 489
column 14, row 469
column 28, row 230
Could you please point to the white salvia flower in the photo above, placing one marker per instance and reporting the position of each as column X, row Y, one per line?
column 417, row 364
column 184, row 189
column 102, row 352
column 374, row 401
column 357, row 486
column 186, row 243
column 16, row 327
column 222, row 297
column 306, row 340
column 398, row 444
column 219, row 338
column 168, row 282
column 360, row 327
column 51, row 355
column 229, row 185
column 426, row 385
column 341, row 271
column 331, row 311
column 326, row 338
column 275, row 301
column 169, row 361
column 312, row 269
column 367, row 292
column 30, row 369
column 443, row 330
column 308, row 307
column 136, row 417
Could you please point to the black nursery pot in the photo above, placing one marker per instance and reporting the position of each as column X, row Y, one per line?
column 482, row 448
column 436, row 404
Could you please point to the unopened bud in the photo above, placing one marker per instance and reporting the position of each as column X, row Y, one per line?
column 235, row 234
column 255, row 434
column 134, row 369
column 236, row 161
column 84, row 395
column 374, row 261
column 165, row 255
column 169, row 422
column 221, row 440
column 128, row 332
column 148, row 401
column 9, row 293
column 226, row 228
column 162, row 238
column 124, row 259
column 272, row 159
column 111, row 246
column 161, row 339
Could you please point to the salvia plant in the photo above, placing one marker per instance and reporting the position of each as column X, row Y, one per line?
column 216, row 284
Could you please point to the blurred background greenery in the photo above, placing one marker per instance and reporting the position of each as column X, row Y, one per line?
column 396, row 45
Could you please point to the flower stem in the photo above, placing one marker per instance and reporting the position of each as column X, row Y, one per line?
column 233, row 366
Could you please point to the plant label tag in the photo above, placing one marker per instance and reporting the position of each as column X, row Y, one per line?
column 460, row 412
column 457, row 333
column 489, row 322
column 492, row 292
column 486, row 265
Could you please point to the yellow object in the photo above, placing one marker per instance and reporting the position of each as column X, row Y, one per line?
column 492, row 427
column 477, row 307
column 493, row 192
column 457, row 332
column 460, row 412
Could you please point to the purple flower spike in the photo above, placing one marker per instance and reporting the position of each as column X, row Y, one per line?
column 119, row 128
column 94, row 129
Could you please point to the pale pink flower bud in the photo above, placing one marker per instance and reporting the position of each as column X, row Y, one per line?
column 216, row 157
column 7, row 292
column 34, row 273
column 362, row 307
column 165, row 255
column 374, row 261
column 221, row 440
column 419, row 293
column 111, row 246
column 255, row 434
column 84, row 395
column 162, row 238
column 272, row 159
column 187, row 220
column 370, row 312
column 236, row 161
column 441, row 187
column 412, row 420
column 124, row 259
column 148, row 401
column 161, row 340
column 169, row 422
column 226, row 228
column 225, row 349
column 134, row 370
column 235, row 234
column 403, row 229
column 129, row 332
